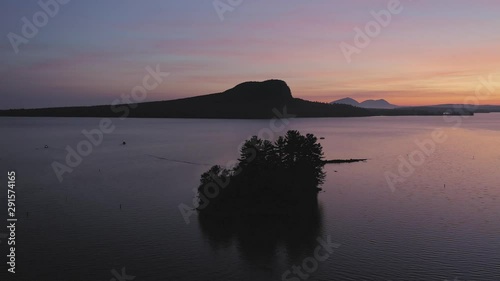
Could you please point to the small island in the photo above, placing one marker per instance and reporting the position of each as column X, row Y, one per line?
column 270, row 178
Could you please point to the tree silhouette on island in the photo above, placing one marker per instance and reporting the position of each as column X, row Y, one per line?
column 270, row 178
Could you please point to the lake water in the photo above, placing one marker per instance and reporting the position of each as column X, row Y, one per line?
column 440, row 223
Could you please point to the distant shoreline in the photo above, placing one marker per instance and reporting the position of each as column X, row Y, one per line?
column 249, row 100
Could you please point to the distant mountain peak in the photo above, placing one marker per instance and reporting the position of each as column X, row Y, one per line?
column 348, row 101
column 380, row 103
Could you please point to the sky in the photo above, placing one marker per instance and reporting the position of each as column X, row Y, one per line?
column 92, row 52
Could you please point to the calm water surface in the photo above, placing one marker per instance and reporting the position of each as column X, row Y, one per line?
column 441, row 223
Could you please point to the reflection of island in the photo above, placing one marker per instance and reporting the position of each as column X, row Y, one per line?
column 262, row 239
column 267, row 204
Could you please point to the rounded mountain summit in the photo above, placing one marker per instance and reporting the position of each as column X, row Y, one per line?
column 270, row 90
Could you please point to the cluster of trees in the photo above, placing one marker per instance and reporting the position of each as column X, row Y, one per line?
column 269, row 178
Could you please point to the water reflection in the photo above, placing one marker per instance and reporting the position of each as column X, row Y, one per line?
column 262, row 240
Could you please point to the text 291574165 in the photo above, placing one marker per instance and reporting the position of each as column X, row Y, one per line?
column 11, row 220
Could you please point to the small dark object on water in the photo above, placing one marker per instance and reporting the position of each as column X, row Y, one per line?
column 341, row 161
column 120, row 206
column 46, row 146
column 124, row 143
column 322, row 138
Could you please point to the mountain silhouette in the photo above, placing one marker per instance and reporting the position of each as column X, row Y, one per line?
column 270, row 90
column 377, row 104
column 248, row 100
column 348, row 101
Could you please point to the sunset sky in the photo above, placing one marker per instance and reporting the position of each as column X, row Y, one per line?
column 93, row 51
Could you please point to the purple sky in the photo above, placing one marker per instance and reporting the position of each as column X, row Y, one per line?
column 93, row 51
